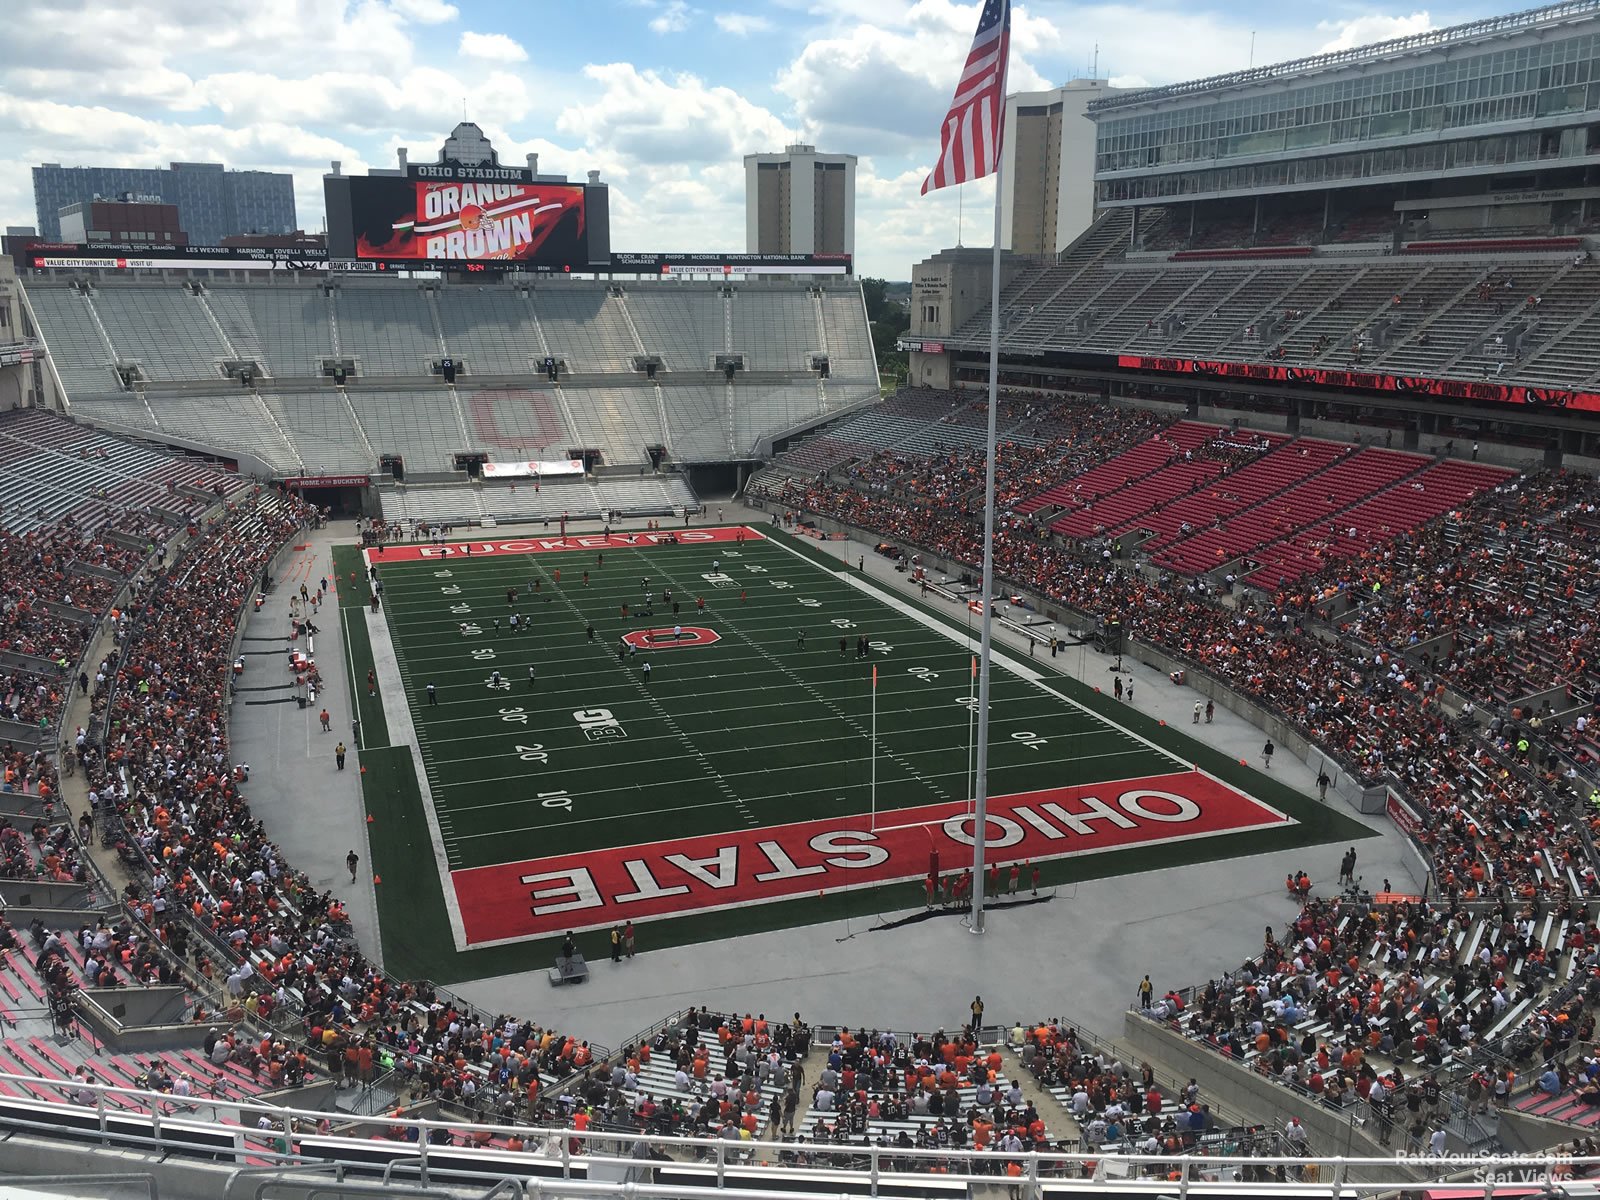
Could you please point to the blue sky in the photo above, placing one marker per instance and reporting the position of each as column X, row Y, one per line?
column 663, row 97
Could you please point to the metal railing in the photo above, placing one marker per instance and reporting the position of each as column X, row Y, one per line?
column 433, row 1150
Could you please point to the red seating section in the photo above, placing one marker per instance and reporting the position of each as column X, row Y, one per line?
column 1347, row 481
column 1125, row 469
column 1378, row 519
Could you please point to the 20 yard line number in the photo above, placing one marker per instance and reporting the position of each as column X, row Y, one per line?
column 535, row 754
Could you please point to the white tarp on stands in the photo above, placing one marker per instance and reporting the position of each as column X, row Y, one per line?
column 522, row 470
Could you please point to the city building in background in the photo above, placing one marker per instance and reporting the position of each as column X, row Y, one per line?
column 126, row 218
column 1047, row 167
column 213, row 202
column 800, row 202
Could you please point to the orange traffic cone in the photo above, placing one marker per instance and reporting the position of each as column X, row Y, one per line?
column 377, row 879
column 371, row 820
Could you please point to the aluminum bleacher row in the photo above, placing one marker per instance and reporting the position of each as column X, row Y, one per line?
column 177, row 340
column 446, row 504
column 51, row 469
column 1421, row 313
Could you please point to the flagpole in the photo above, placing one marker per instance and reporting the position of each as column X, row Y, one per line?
column 980, row 816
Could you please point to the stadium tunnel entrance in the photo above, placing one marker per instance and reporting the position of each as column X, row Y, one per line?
column 340, row 495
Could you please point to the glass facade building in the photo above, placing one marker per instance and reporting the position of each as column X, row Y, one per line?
column 213, row 202
column 1515, row 93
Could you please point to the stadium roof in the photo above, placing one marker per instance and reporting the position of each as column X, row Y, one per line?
column 1570, row 11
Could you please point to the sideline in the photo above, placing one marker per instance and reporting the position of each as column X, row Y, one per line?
column 394, row 699
column 1018, row 668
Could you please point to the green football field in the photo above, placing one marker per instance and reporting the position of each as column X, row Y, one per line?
column 765, row 766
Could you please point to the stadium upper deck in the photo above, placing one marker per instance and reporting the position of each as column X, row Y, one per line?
column 644, row 369
column 1508, row 93
column 1405, row 228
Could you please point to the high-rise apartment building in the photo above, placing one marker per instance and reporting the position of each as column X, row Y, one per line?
column 800, row 202
column 1047, row 167
column 213, row 202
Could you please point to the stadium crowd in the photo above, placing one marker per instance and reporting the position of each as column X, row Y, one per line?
column 1493, row 819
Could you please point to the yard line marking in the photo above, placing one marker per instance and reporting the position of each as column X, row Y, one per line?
column 644, row 691
column 1018, row 668
column 626, row 816
column 594, row 794
column 820, row 698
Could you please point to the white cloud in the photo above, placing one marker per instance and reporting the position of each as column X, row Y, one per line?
column 876, row 90
column 1372, row 27
column 495, row 46
column 673, row 18
column 425, row 12
column 743, row 24
column 648, row 118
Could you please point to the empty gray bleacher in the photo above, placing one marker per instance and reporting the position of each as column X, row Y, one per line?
column 164, row 330
column 686, row 328
column 850, row 354
column 576, row 498
column 319, row 424
column 645, row 495
column 440, row 504
column 389, row 331
column 775, row 330
column 292, row 327
column 760, row 410
column 81, row 356
column 620, row 422
column 516, row 423
column 419, row 426
column 585, row 327
column 490, row 329
column 122, row 412
column 226, row 424
column 238, row 324
column 697, row 418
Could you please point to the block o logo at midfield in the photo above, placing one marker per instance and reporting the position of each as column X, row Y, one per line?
column 687, row 637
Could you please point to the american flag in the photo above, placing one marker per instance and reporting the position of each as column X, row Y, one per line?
column 975, row 125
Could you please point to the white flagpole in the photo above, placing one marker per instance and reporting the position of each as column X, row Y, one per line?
column 980, row 816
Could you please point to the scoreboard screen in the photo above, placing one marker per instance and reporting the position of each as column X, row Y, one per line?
column 455, row 223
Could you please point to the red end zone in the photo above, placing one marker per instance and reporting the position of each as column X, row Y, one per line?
column 595, row 889
column 545, row 545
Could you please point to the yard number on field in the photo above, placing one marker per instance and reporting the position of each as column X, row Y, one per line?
column 598, row 724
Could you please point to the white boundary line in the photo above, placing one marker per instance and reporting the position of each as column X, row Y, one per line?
column 1018, row 668
column 402, row 726
column 402, row 732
